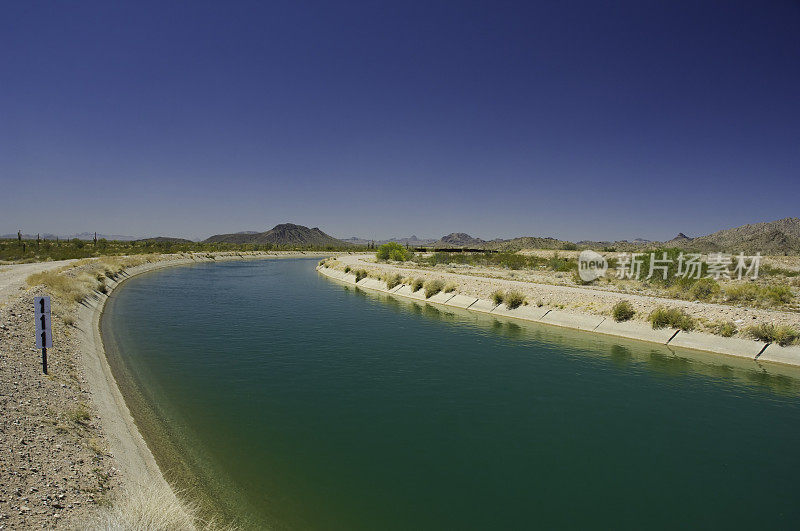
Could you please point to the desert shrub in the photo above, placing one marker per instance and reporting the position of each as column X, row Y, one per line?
column 498, row 297
column 347, row 269
column 79, row 415
column 360, row 274
column 449, row 287
column 623, row 311
column 704, row 289
column 393, row 280
column 724, row 329
column 417, row 284
column 782, row 334
column 672, row 318
column 556, row 263
column 772, row 294
column 770, row 270
column 432, row 287
column 777, row 294
column 514, row 299
column 393, row 251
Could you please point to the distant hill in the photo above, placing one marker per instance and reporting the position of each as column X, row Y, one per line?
column 285, row 234
column 530, row 242
column 771, row 237
column 459, row 239
column 774, row 237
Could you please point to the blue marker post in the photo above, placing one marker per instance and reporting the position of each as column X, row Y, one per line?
column 44, row 335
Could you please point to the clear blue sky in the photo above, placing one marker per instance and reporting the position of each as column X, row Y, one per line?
column 598, row 120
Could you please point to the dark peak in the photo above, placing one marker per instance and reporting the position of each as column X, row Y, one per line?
column 681, row 236
column 288, row 226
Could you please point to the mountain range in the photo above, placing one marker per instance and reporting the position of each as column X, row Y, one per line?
column 774, row 237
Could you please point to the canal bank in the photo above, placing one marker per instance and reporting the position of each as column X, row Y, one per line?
column 736, row 347
column 135, row 460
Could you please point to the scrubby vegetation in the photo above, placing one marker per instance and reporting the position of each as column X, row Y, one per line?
column 392, row 280
column 149, row 507
column 13, row 250
column 765, row 295
column 672, row 318
column 417, row 284
column 394, row 251
column 514, row 299
column 704, row 289
column 74, row 283
column 360, row 274
column 623, row 311
column 432, row 287
column 507, row 260
column 724, row 329
column 450, row 287
column 498, row 297
column 781, row 334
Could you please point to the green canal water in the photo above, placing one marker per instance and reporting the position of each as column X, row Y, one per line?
column 283, row 399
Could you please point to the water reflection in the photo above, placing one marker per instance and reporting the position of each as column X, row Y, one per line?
column 662, row 360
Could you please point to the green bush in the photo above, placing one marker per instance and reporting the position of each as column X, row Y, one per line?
column 556, row 263
column 777, row 294
column 623, row 311
column 514, row 299
column 347, row 269
column 432, row 287
column 742, row 292
column 772, row 294
column 726, row 329
column 393, row 251
column 393, row 280
column 498, row 297
column 704, row 289
column 782, row 334
column 360, row 274
column 417, row 284
column 672, row 318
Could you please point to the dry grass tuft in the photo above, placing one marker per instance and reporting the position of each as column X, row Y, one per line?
column 514, row 299
column 393, row 280
column 432, row 287
column 417, row 284
column 147, row 508
column 69, row 287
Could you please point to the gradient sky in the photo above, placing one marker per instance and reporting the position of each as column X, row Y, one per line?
column 578, row 120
